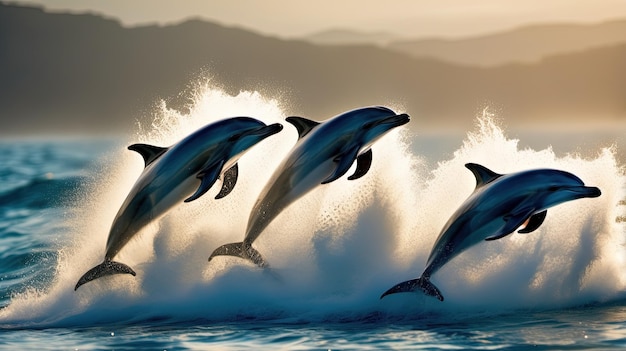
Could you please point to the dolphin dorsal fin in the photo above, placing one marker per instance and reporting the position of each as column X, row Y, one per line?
column 483, row 174
column 303, row 125
column 148, row 152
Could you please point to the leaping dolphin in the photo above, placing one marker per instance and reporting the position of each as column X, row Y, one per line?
column 499, row 205
column 324, row 152
column 172, row 174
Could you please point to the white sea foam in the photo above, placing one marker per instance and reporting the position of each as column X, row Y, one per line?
column 335, row 250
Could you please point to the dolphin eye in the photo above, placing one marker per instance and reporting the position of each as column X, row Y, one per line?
column 235, row 137
column 553, row 188
column 368, row 125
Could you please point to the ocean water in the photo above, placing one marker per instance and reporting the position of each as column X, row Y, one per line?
column 332, row 253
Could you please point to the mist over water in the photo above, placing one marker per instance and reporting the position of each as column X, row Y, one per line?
column 334, row 251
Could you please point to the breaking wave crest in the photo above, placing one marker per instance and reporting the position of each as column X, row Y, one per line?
column 338, row 248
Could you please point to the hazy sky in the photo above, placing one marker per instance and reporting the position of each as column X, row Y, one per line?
column 412, row 18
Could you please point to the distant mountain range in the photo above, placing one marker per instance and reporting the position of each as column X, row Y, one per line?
column 522, row 45
column 81, row 72
column 350, row 37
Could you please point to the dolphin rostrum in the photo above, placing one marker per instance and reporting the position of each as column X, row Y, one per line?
column 499, row 205
column 184, row 171
column 324, row 152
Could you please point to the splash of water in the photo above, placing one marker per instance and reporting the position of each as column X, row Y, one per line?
column 338, row 248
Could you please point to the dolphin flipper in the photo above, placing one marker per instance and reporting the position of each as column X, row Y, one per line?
column 344, row 162
column 512, row 222
column 534, row 222
column 242, row 250
column 363, row 164
column 105, row 268
column 207, row 177
column 423, row 284
column 228, row 182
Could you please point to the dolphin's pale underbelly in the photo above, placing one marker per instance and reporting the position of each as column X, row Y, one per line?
column 176, row 195
column 460, row 238
column 288, row 187
column 146, row 206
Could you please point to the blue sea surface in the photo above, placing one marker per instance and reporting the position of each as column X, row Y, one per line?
column 38, row 183
column 44, row 186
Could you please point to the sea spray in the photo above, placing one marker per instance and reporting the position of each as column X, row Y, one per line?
column 333, row 252
column 551, row 267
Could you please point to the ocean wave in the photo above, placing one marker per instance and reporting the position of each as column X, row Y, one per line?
column 338, row 248
column 42, row 192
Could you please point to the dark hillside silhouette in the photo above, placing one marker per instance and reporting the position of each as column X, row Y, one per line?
column 522, row 45
column 341, row 36
column 62, row 72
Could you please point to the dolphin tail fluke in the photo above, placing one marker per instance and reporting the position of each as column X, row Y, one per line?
column 422, row 284
column 241, row 250
column 105, row 268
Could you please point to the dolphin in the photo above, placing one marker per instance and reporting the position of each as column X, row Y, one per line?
column 499, row 205
column 324, row 152
column 172, row 174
